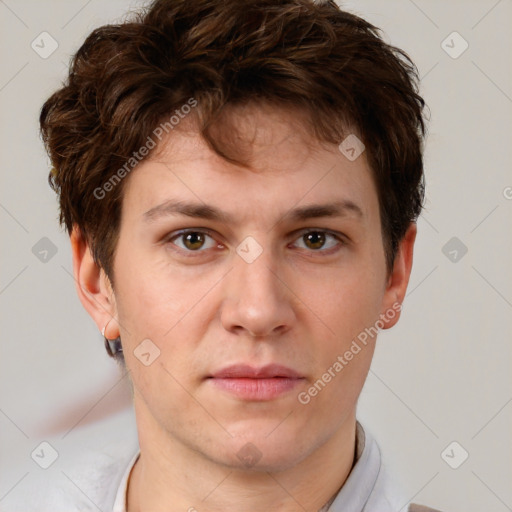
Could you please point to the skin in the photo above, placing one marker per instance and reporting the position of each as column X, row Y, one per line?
column 299, row 304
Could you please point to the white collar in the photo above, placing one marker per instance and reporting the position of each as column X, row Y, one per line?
column 120, row 501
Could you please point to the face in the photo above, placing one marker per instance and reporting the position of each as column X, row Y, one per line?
column 238, row 290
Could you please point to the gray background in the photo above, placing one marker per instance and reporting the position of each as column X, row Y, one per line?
column 443, row 374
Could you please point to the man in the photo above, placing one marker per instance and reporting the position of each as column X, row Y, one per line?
column 240, row 181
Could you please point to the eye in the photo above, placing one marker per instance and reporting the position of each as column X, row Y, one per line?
column 193, row 241
column 317, row 240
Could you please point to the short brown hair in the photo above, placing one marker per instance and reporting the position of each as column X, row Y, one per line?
column 311, row 56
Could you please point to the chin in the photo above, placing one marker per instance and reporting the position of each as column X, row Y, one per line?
column 259, row 451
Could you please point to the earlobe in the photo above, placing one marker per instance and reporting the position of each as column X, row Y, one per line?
column 93, row 286
column 399, row 279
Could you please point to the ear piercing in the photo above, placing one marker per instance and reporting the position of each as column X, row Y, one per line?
column 113, row 347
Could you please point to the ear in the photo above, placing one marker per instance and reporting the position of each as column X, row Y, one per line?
column 93, row 286
column 398, row 279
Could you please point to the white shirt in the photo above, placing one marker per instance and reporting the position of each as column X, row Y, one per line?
column 367, row 488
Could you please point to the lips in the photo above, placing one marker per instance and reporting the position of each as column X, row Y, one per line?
column 248, row 383
column 243, row 371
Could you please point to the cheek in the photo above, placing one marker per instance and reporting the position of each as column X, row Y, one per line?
column 349, row 306
column 348, row 303
column 171, row 307
column 343, row 360
column 150, row 297
column 145, row 308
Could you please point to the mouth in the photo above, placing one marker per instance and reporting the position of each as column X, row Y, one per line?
column 256, row 384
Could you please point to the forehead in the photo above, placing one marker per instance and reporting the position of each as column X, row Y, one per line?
column 254, row 134
column 286, row 167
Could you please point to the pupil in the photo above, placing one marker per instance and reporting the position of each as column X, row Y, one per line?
column 315, row 239
column 194, row 240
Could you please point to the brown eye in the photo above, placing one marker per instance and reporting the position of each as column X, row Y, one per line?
column 314, row 239
column 319, row 241
column 193, row 241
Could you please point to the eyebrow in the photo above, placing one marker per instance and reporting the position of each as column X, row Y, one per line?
column 340, row 208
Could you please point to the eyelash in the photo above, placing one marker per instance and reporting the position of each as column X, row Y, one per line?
column 189, row 253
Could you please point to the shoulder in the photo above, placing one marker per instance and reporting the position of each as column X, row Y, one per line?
column 88, row 482
column 387, row 494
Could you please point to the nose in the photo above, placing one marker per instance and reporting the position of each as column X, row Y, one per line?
column 258, row 301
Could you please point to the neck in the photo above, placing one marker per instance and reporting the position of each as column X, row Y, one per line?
column 172, row 477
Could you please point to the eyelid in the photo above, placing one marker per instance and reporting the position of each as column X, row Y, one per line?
column 185, row 231
column 305, row 231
